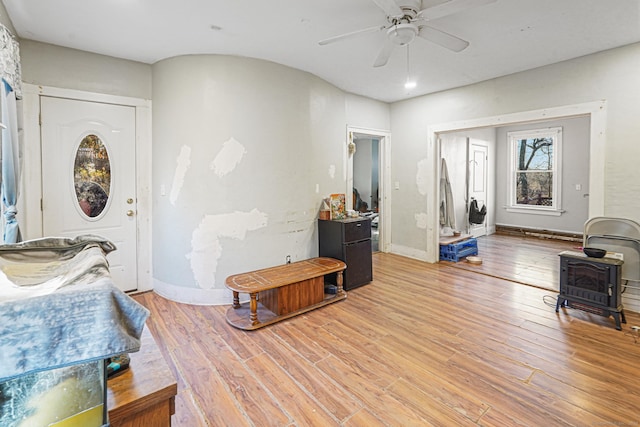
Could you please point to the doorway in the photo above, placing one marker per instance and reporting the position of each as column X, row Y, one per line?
column 478, row 178
column 595, row 111
column 42, row 191
column 367, row 176
column 88, row 177
column 366, row 185
column 469, row 157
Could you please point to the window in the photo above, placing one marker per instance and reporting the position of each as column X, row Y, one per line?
column 534, row 180
column 92, row 176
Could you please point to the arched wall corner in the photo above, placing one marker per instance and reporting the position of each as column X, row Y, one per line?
column 240, row 180
column 596, row 110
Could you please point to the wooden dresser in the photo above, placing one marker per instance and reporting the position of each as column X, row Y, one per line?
column 144, row 395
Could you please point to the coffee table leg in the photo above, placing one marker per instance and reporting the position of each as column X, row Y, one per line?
column 339, row 280
column 236, row 299
column 253, row 316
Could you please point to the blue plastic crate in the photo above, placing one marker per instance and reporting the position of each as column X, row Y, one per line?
column 455, row 251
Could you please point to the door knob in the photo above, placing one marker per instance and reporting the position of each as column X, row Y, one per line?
column 129, row 212
column 129, row 200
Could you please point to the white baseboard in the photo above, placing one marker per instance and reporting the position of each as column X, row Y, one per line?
column 408, row 252
column 195, row 296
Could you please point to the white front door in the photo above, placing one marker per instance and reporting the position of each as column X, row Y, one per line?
column 89, row 177
column 478, row 158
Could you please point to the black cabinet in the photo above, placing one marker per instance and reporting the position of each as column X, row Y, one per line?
column 348, row 240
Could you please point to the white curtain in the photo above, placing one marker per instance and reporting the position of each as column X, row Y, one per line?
column 11, row 90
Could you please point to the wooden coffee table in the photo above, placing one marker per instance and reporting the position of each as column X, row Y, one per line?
column 281, row 292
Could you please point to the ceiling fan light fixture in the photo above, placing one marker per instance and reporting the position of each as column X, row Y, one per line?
column 402, row 34
column 410, row 84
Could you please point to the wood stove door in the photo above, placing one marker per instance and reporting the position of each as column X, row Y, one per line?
column 590, row 281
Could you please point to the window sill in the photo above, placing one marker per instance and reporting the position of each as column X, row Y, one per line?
column 536, row 211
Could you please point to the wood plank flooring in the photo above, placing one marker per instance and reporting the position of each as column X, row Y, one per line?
column 528, row 260
column 423, row 344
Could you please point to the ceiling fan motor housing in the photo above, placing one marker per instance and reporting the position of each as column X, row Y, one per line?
column 410, row 6
column 407, row 19
column 403, row 30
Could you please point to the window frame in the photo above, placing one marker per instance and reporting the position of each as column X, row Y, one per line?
column 513, row 138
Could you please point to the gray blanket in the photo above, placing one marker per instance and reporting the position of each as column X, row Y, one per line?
column 59, row 306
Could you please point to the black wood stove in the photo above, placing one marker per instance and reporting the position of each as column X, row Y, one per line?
column 591, row 284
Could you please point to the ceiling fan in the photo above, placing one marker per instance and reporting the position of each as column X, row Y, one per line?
column 406, row 19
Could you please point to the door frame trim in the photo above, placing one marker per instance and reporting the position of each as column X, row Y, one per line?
column 30, row 204
column 384, row 180
column 595, row 110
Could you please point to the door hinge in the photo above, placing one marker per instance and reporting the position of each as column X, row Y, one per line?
column 40, row 119
column 41, row 206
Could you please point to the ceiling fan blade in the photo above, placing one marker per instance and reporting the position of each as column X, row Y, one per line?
column 384, row 54
column 443, row 39
column 450, row 7
column 351, row 34
column 389, row 7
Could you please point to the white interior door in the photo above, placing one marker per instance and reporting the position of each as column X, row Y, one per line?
column 89, row 177
column 478, row 170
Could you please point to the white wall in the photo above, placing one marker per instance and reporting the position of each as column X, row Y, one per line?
column 575, row 171
column 4, row 19
column 61, row 67
column 288, row 126
column 301, row 116
column 244, row 152
column 453, row 150
column 611, row 75
column 367, row 113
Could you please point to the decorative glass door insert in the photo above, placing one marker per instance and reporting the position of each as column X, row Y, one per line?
column 92, row 176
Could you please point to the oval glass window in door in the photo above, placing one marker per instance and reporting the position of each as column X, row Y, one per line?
column 92, row 176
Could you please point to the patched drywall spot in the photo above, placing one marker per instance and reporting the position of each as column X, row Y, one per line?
column 421, row 220
column 422, row 177
column 317, row 106
column 182, row 165
column 228, row 158
column 332, row 171
column 206, row 248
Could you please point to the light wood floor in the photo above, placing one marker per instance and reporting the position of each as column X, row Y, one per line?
column 528, row 260
column 423, row 344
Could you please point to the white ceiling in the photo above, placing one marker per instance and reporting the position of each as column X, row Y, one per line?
column 505, row 37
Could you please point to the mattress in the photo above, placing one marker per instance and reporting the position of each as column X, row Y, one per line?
column 59, row 306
